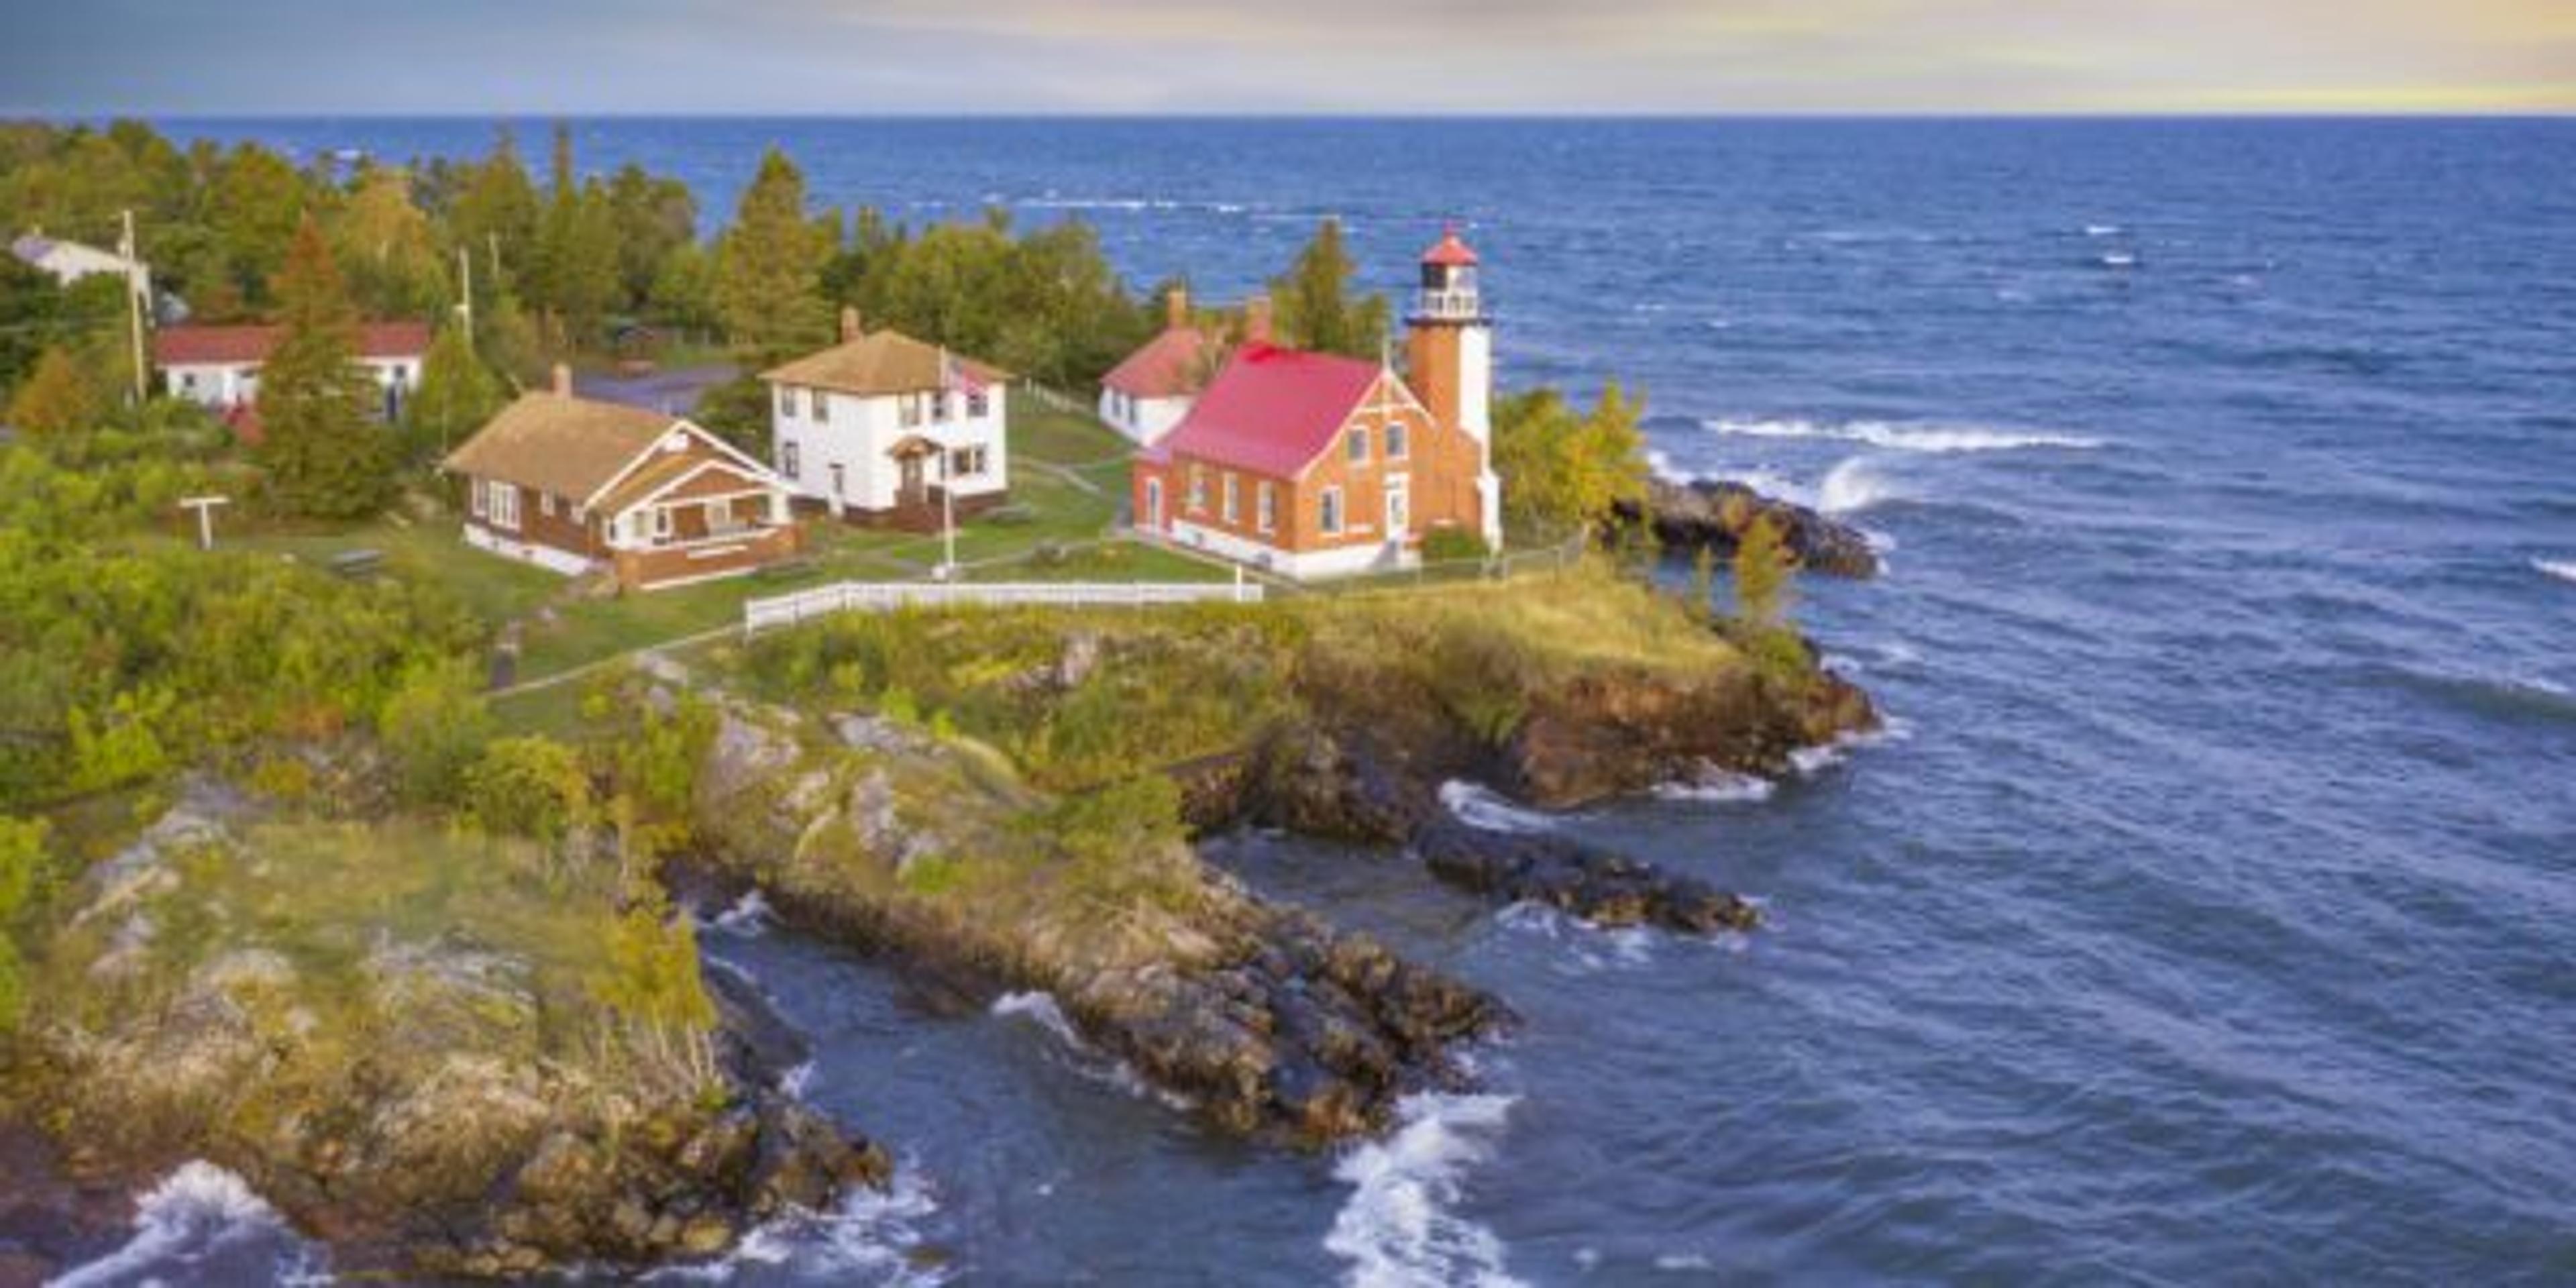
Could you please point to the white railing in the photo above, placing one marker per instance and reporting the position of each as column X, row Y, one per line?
column 878, row 596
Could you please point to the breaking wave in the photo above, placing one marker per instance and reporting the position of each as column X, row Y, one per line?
column 872, row 1238
column 1041, row 1009
column 748, row 918
column 202, row 1224
column 1855, row 485
column 2562, row 569
column 1479, row 806
column 1590, row 949
column 1401, row 1226
column 1718, row 786
column 1906, row 438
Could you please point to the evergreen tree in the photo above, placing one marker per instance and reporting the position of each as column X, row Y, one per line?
column 56, row 398
column 457, row 392
column 323, row 457
column 575, row 272
column 257, row 202
column 769, row 267
column 495, row 218
column 1562, row 471
column 1314, row 308
column 1762, row 568
column 651, row 221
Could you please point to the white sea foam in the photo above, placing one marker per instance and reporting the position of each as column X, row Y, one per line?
column 2119, row 259
column 1589, row 949
column 1767, row 481
column 1040, row 1008
column 1718, row 786
column 1906, row 437
column 1480, row 806
column 872, row 1238
column 748, row 918
column 2562, row 569
column 1684, row 1263
column 197, row 1213
column 1855, row 485
column 2102, row 230
column 1401, row 1227
column 797, row 1081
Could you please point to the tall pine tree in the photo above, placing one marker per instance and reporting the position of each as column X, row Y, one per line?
column 769, row 267
column 576, row 270
column 324, row 458
column 457, row 392
column 1315, row 309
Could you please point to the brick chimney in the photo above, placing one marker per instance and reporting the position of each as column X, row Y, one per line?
column 563, row 380
column 1256, row 320
column 1176, row 308
column 850, row 323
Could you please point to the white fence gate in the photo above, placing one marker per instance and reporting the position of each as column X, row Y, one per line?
column 877, row 596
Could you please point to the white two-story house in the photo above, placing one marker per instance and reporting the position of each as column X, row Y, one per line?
column 884, row 428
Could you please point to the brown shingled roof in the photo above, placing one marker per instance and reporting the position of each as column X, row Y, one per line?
column 888, row 362
column 556, row 443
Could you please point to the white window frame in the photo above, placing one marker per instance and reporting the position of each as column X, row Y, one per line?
column 1355, row 445
column 1265, row 506
column 791, row 462
column 787, row 402
column 478, row 497
column 1233, row 510
column 546, row 504
column 1329, row 518
column 978, row 405
column 819, row 406
column 505, row 506
column 1198, row 489
column 662, row 525
column 1399, row 440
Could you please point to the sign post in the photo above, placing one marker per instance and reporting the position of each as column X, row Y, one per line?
column 205, row 508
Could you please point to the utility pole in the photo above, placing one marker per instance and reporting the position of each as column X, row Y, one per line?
column 465, row 310
column 134, row 289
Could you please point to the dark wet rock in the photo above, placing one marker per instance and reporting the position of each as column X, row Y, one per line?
column 1600, row 887
column 1712, row 514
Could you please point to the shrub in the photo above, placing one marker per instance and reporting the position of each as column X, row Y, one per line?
column 530, row 787
column 1453, row 545
column 435, row 725
column 22, row 852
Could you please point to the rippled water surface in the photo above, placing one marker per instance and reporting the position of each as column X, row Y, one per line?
column 2211, row 915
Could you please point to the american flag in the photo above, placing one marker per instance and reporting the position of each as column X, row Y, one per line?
column 957, row 376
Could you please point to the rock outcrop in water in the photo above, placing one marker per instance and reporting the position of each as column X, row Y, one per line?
column 1711, row 514
column 1258, row 1016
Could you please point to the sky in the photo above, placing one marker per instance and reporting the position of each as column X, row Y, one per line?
column 1202, row 57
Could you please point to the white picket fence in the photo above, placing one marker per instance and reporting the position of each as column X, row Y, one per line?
column 878, row 596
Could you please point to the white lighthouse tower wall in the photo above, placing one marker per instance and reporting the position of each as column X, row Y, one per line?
column 1476, row 382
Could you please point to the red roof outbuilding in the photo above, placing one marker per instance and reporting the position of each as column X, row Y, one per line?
column 1168, row 366
column 1273, row 410
column 189, row 346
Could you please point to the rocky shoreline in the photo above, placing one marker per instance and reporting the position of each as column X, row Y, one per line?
column 1712, row 514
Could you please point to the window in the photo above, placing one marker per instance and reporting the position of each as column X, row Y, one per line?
column 1357, row 444
column 819, row 405
column 1233, row 501
column 840, row 480
column 939, row 406
column 786, row 401
column 1198, row 489
column 1329, row 512
column 546, row 504
column 909, row 408
column 505, row 506
column 1395, row 436
column 188, row 381
column 789, row 461
column 475, row 495
column 1266, row 506
column 966, row 462
column 978, row 405
column 661, row 523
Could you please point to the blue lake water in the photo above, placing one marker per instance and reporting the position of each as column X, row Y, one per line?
column 2211, row 915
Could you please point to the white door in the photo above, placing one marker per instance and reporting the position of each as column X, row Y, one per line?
column 1399, row 507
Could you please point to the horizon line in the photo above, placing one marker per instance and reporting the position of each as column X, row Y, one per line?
column 14, row 114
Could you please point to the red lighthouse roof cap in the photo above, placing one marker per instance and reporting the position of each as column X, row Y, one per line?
column 1452, row 252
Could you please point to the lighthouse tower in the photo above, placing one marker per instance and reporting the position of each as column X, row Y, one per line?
column 1449, row 352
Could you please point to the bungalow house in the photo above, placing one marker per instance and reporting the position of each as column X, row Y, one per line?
column 578, row 485
column 1316, row 465
column 218, row 366
column 1146, row 395
column 885, row 428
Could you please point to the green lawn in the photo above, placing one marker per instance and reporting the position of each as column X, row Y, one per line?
column 1066, row 438
column 561, row 628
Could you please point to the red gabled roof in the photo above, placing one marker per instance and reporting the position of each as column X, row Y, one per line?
column 1167, row 367
column 1273, row 410
column 1452, row 251
column 181, row 346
